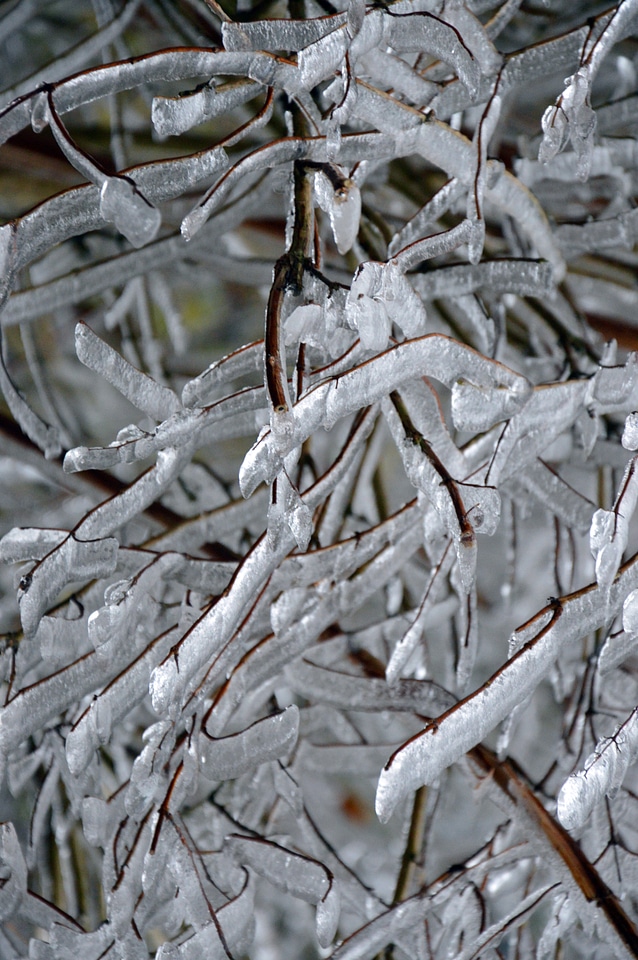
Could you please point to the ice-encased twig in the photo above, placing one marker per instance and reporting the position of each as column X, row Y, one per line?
column 292, row 873
column 174, row 115
column 433, row 356
column 609, row 530
column 423, row 758
column 78, row 55
column 350, row 692
column 117, row 699
column 602, row 774
column 74, row 559
column 141, row 390
column 230, row 757
column 171, row 678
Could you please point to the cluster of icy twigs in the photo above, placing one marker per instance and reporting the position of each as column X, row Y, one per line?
column 207, row 676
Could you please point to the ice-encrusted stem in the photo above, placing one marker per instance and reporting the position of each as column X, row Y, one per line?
column 423, row 758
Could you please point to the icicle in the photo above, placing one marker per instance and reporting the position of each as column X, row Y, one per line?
column 267, row 739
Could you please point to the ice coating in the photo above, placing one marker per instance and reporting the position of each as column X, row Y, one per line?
column 433, row 355
column 305, row 879
column 73, row 560
column 630, row 433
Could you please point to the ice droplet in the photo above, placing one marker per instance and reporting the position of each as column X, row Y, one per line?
column 121, row 203
column 193, row 222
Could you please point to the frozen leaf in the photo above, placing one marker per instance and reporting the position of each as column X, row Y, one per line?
column 267, row 739
column 134, row 216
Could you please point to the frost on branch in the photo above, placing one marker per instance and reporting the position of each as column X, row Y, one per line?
column 330, row 497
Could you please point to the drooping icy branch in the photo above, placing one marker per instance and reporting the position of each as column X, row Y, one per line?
column 349, row 692
column 120, row 695
column 423, row 758
column 269, row 657
column 44, row 435
column 434, row 355
column 81, row 282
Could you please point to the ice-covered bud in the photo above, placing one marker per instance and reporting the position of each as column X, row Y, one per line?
column 379, row 296
column 554, row 124
column 121, row 203
column 40, row 111
column 343, row 206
